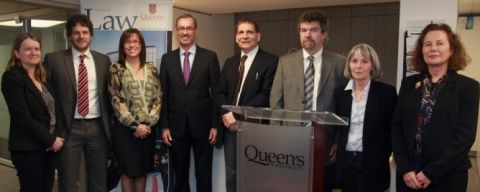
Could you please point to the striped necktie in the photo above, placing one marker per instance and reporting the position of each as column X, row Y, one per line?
column 82, row 88
column 309, row 83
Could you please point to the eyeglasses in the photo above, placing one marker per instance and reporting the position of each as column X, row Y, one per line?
column 132, row 42
column 189, row 28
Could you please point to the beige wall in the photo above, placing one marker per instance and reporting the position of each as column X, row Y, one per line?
column 471, row 40
column 215, row 32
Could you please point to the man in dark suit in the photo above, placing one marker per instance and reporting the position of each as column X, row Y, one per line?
column 79, row 79
column 245, row 81
column 322, row 69
column 189, row 116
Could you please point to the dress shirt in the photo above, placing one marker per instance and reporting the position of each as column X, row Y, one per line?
column 248, row 63
column 192, row 51
column 317, row 65
column 357, row 117
column 93, row 103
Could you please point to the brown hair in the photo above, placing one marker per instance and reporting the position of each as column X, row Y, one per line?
column 123, row 38
column 249, row 21
column 40, row 72
column 457, row 61
column 314, row 15
column 184, row 16
column 81, row 20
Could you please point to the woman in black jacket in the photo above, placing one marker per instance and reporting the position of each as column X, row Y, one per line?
column 435, row 121
column 33, row 137
column 364, row 146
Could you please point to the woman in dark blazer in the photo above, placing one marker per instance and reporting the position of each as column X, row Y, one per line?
column 364, row 147
column 434, row 124
column 33, row 137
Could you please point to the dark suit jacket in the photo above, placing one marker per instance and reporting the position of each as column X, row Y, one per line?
column 257, row 85
column 61, row 77
column 376, row 141
column 451, row 133
column 29, row 117
column 192, row 103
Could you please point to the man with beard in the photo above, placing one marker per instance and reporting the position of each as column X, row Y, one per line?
column 189, row 117
column 79, row 78
column 305, row 79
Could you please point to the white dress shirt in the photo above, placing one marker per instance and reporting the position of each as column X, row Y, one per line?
column 357, row 117
column 317, row 65
column 192, row 51
column 248, row 63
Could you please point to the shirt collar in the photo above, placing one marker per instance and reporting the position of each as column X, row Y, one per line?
column 76, row 53
column 252, row 53
column 315, row 56
column 192, row 50
column 350, row 86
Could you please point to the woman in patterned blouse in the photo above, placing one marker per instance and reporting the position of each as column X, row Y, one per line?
column 136, row 99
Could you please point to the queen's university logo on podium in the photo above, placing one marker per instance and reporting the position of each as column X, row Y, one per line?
column 152, row 8
column 274, row 159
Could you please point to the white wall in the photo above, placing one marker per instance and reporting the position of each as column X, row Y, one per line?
column 215, row 32
column 446, row 10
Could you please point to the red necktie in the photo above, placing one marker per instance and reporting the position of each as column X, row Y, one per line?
column 82, row 88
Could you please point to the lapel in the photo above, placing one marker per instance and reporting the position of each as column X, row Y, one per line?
column 196, row 64
column 68, row 61
column 252, row 73
column 371, row 110
column 99, row 72
column 297, row 72
column 177, row 67
column 326, row 70
column 33, row 89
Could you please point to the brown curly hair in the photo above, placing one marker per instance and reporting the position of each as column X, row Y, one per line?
column 457, row 61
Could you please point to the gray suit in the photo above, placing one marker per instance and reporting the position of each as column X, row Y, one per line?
column 288, row 86
column 90, row 136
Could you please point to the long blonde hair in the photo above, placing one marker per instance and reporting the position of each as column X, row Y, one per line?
column 40, row 72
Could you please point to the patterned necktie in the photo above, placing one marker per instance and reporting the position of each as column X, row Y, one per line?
column 82, row 88
column 186, row 66
column 309, row 82
column 238, row 84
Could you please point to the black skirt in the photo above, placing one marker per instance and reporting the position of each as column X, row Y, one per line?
column 134, row 155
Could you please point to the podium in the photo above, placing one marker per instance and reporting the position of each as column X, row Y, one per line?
column 286, row 154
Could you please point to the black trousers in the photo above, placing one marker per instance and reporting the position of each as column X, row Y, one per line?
column 203, row 156
column 35, row 170
column 353, row 173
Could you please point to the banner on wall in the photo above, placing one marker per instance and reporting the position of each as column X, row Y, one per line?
column 111, row 17
column 154, row 19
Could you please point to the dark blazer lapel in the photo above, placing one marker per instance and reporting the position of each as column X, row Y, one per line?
column 197, row 62
column 100, row 72
column 252, row 72
column 34, row 90
column 68, row 60
column 177, row 67
column 371, row 110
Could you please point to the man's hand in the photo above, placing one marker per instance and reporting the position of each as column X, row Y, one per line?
column 333, row 152
column 229, row 121
column 212, row 138
column 167, row 137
